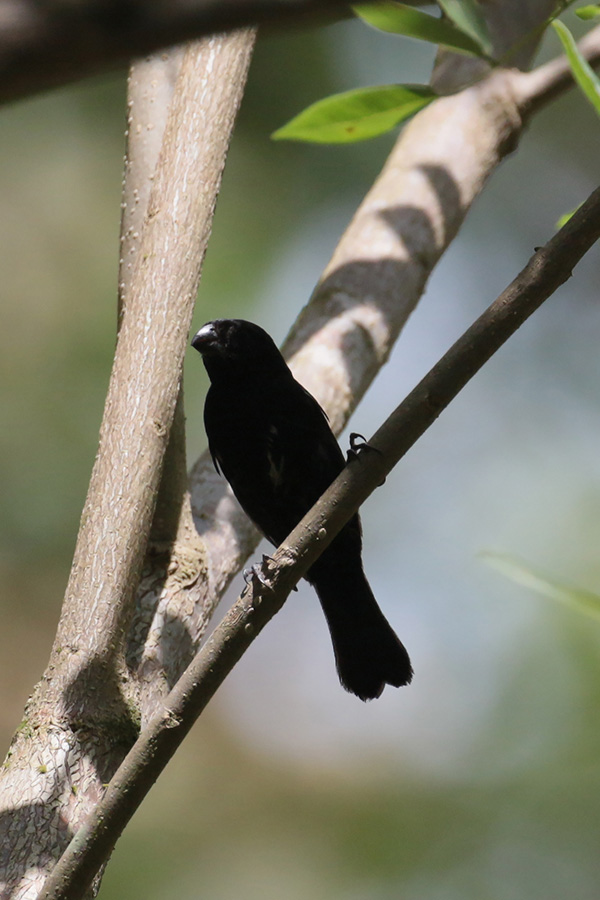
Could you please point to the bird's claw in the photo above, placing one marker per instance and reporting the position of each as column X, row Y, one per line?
column 254, row 578
column 255, row 573
column 269, row 561
column 358, row 445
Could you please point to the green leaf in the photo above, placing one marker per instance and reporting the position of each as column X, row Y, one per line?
column 583, row 73
column 356, row 115
column 398, row 18
column 467, row 15
column 581, row 601
column 588, row 12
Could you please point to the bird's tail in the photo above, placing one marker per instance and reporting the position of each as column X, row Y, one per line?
column 368, row 654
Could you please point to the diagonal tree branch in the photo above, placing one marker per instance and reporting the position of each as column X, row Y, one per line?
column 550, row 267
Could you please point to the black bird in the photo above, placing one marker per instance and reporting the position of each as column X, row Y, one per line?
column 272, row 442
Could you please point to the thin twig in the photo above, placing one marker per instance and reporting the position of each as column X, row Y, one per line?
column 537, row 88
column 550, row 267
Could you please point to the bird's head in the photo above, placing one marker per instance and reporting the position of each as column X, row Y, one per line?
column 231, row 347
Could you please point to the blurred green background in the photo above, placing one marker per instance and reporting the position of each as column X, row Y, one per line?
column 479, row 782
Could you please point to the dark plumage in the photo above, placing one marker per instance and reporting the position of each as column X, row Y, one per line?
column 272, row 442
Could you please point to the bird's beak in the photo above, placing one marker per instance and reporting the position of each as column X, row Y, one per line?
column 204, row 338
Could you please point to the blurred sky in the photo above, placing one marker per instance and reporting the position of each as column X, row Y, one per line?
column 481, row 779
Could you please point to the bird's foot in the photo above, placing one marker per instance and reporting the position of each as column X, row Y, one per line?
column 359, row 445
column 254, row 576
